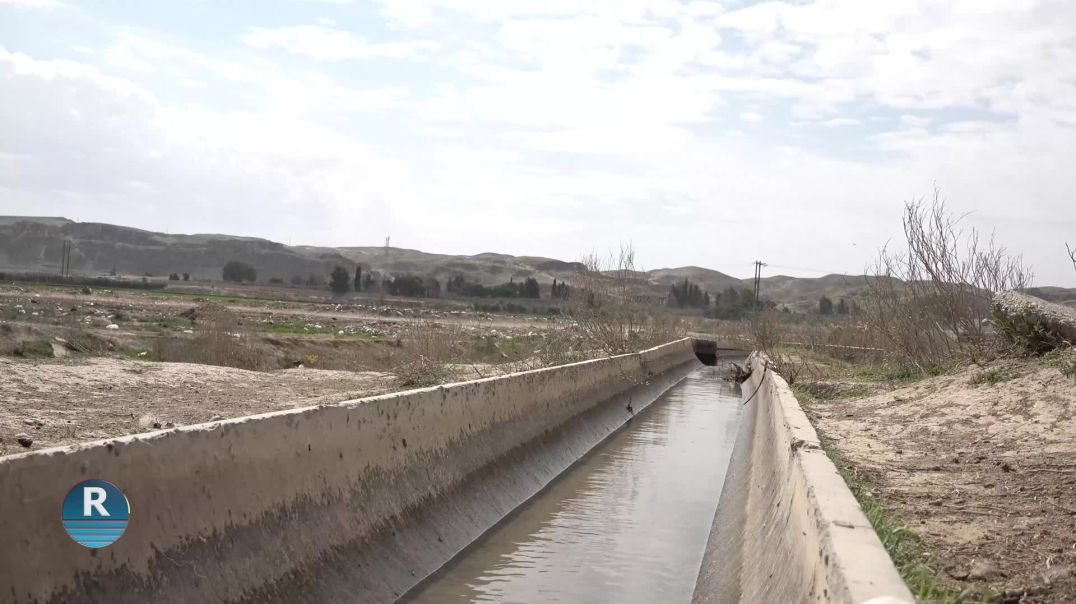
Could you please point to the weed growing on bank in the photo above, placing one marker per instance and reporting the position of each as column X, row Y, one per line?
column 904, row 546
column 992, row 376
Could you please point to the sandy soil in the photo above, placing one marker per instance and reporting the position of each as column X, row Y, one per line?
column 985, row 474
column 58, row 402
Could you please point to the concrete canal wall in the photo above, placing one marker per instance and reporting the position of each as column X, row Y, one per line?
column 787, row 528
column 355, row 501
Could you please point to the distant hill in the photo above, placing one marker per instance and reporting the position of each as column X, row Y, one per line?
column 1061, row 295
column 708, row 279
column 34, row 244
column 803, row 294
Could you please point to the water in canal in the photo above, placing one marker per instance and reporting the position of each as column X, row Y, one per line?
column 627, row 524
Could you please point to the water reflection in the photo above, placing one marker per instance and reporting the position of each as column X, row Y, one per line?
column 629, row 524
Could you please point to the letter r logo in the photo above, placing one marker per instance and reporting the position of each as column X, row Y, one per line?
column 93, row 498
column 95, row 513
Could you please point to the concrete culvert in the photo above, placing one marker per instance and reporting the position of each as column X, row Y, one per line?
column 706, row 351
column 710, row 351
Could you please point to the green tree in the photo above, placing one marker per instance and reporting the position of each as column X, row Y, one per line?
column 842, row 307
column 747, row 299
column 412, row 286
column 531, row 289
column 559, row 290
column 825, row 306
column 340, row 280
column 358, row 278
column 239, row 272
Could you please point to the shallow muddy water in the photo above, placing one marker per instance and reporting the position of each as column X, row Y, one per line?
column 627, row 524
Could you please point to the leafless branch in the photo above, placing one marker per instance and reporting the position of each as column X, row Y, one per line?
column 932, row 300
column 606, row 301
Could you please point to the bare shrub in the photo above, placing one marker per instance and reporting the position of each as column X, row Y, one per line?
column 606, row 300
column 931, row 302
column 556, row 347
column 86, row 342
column 767, row 331
column 853, row 342
column 219, row 340
column 1072, row 254
column 560, row 347
column 426, row 351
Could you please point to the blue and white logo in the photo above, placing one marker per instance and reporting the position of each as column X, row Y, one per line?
column 95, row 513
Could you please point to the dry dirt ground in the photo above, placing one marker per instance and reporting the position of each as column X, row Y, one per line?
column 984, row 473
column 59, row 402
column 51, row 300
column 110, row 377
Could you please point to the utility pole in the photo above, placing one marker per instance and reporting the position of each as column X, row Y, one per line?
column 758, row 276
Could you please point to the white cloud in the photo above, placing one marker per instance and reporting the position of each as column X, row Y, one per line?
column 915, row 121
column 905, row 54
column 299, row 94
column 330, row 44
column 549, row 126
column 266, row 166
column 838, row 122
column 34, row 3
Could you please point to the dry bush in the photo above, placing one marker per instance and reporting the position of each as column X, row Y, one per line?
column 554, row 347
column 219, row 340
column 560, row 347
column 432, row 353
column 853, row 342
column 769, row 334
column 606, row 302
column 426, row 351
column 931, row 303
column 81, row 340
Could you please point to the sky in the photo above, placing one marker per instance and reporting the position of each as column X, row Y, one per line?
column 708, row 133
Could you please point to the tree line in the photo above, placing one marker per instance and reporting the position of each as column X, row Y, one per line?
column 735, row 304
column 341, row 281
column 826, row 307
column 528, row 288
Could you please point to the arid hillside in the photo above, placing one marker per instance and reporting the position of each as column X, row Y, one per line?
column 34, row 244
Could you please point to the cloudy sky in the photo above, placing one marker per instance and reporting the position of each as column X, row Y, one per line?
column 709, row 133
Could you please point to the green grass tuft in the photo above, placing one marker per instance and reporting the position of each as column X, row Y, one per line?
column 856, row 391
column 34, row 350
column 1068, row 366
column 992, row 376
column 805, row 396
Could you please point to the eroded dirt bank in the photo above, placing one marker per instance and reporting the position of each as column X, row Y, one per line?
column 981, row 464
